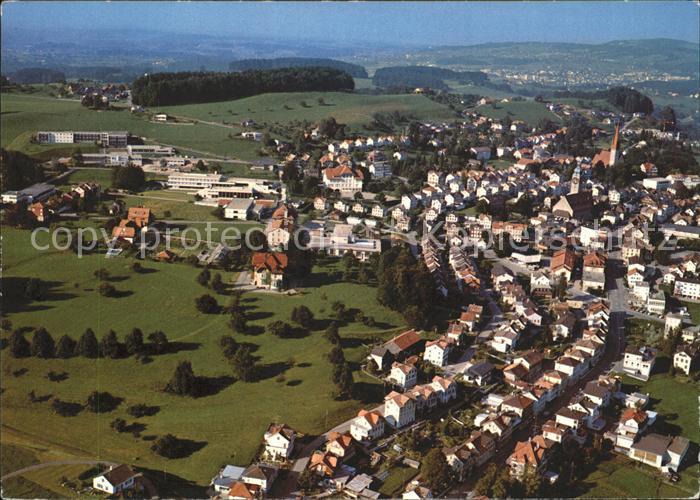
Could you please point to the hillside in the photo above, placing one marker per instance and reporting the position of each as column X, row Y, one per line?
column 352, row 109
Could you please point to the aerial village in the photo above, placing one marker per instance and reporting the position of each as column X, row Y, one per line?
column 543, row 264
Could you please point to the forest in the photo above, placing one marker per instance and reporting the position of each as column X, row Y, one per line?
column 425, row 76
column 625, row 99
column 164, row 89
column 354, row 70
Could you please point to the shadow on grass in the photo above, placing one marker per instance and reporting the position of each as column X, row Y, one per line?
column 273, row 370
column 15, row 300
column 211, row 386
column 368, row 393
column 171, row 486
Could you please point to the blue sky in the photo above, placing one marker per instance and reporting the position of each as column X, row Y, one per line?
column 410, row 23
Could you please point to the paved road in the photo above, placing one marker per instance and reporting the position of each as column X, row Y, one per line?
column 54, row 464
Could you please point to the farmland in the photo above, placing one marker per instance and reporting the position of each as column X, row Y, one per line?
column 162, row 298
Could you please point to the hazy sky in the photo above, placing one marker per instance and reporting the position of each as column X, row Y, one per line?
column 397, row 23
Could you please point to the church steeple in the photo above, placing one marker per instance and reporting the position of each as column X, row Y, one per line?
column 575, row 181
column 613, row 147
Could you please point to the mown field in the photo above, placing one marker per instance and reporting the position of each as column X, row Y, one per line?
column 228, row 424
column 530, row 112
column 619, row 477
column 23, row 115
column 355, row 110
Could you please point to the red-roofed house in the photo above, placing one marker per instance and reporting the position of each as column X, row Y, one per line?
column 269, row 270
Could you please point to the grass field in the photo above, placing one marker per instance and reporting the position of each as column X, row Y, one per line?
column 352, row 109
column 23, row 115
column 182, row 209
column 530, row 112
column 228, row 424
column 395, row 481
column 676, row 401
column 618, row 477
column 694, row 310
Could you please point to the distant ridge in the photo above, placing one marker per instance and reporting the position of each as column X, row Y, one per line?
column 658, row 54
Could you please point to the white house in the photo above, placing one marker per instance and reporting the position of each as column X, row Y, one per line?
column 367, row 426
column 403, row 375
column 437, row 351
column 685, row 357
column 399, row 409
column 115, row 479
column 687, row 288
column 639, row 362
column 279, row 442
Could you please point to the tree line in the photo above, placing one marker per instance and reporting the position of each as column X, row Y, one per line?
column 425, row 76
column 43, row 345
column 163, row 89
column 624, row 98
column 354, row 70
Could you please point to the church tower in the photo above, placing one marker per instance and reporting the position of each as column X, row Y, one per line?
column 575, row 181
column 613, row 147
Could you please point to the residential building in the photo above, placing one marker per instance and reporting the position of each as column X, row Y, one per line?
column 403, row 375
column 685, row 358
column 399, row 409
column 269, row 270
column 279, row 442
column 660, row 452
column 438, row 351
column 687, row 288
column 367, row 426
column 115, row 480
column 639, row 362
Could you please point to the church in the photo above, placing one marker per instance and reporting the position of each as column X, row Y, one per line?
column 577, row 204
column 605, row 156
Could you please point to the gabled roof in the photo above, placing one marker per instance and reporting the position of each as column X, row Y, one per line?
column 274, row 262
column 119, row 474
column 531, row 452
column 518, row 401
column 283, row 429
column 563, row 259
column 653, row 443
column 402, row 342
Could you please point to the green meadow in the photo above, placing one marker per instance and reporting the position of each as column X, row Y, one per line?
column 355, row 110
column 24, row 115
column 227, row 425
column 530, row 112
